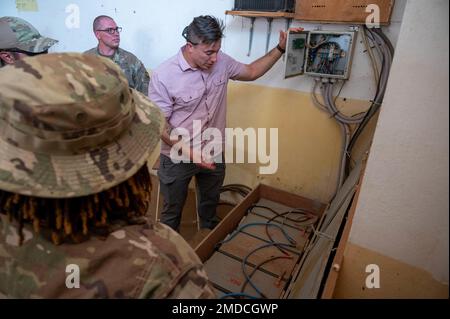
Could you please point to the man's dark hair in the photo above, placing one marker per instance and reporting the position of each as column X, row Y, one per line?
column 97, row 21
column 204, row 29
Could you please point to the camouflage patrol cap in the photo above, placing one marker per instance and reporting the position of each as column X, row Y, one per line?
column 70, row 126
column 16, row 33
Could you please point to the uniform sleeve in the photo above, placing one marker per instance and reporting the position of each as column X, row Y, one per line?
column 142, row 79
column 158, row 94
column 233, row 67
column 193, row 285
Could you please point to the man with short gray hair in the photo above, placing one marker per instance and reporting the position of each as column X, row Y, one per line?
column 18, row 39
column 108, row 35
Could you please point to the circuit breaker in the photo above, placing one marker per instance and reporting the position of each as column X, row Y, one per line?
column 326, row 54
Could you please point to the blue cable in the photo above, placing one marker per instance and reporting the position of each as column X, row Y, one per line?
column 240, row 294
column 244, row 261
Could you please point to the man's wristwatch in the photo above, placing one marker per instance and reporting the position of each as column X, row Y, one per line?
column 281, row 49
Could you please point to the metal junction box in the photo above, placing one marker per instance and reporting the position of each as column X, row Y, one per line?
column 326, row 54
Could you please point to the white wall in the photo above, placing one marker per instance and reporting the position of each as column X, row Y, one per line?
column 404, row 200
column 152, row 31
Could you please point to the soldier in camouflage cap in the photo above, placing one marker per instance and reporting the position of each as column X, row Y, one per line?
column 18, row 39
column 108, row 35
column 75, row 187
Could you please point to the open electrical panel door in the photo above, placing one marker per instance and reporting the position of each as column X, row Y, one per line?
column 295, row 53
column 326, row 54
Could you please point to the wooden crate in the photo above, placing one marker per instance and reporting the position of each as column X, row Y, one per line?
column 206, row 247
column 225, row 259
column 341, row 11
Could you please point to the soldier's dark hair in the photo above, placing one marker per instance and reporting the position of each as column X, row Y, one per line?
column 204, row 29
column 75, row 219
column 98, row 21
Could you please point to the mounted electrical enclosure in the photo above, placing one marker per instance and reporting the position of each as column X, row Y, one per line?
column 326, row 54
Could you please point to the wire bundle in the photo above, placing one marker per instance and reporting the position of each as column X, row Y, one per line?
column 384, row 51
column 306, row 218
column 326, row 58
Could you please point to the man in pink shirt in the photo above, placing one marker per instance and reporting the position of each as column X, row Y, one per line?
column 191, row 89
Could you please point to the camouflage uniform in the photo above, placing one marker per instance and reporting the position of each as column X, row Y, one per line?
column 18, row 34
column 69, row 127
column 133, row 68
column 139, row 261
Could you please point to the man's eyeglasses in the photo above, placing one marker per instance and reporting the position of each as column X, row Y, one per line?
column 112, row 30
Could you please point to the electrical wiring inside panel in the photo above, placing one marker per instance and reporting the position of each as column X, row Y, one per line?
column 326, row 54
column 329, row 54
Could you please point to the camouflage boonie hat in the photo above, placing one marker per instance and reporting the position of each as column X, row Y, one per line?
column 16, row 33
column 70, row 126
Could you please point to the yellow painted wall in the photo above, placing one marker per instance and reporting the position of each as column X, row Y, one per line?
column 397, row 279
column 309, row 141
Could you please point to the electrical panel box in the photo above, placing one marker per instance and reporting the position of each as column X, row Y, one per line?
column 326, row 54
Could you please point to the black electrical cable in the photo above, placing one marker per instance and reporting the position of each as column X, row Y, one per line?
column 276, row 215
column 244, row 261
column 281, row 215
column 249, row 189
column 380, row 32
column 298, row 211
column 339, row 92
column 242, row 190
